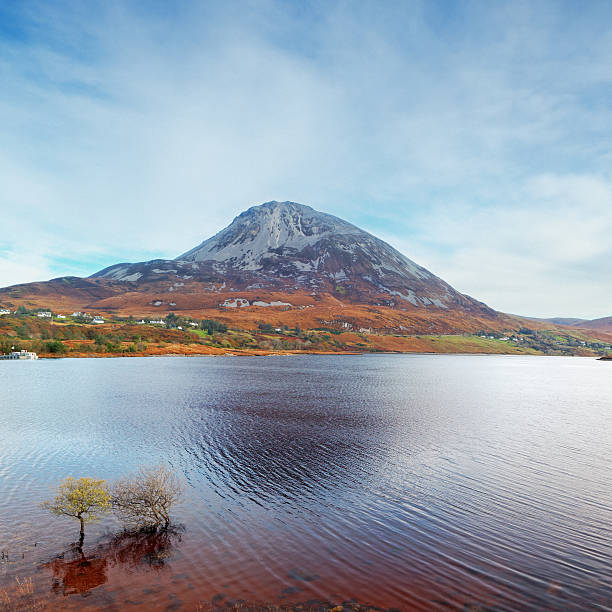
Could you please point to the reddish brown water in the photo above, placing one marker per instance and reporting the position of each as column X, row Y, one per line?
column 414, row 482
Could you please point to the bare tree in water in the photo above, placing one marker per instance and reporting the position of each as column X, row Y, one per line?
column 84, row 499
column 143, row 500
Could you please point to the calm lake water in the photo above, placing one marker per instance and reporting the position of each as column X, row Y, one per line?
column 406, row 481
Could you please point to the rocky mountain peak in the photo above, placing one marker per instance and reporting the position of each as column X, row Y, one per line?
column 268, row 230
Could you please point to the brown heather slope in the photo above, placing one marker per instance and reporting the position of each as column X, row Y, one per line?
column 101, row 296
column 119, row 299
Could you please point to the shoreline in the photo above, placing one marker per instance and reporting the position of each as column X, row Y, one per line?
column 229, row 353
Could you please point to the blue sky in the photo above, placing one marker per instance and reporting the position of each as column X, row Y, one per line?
column 475, row 137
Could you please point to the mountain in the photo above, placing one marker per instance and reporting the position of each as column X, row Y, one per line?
column 284, row 258
column 286, row 246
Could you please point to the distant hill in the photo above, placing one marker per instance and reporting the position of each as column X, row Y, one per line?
column 563, row 320
column 603, row 325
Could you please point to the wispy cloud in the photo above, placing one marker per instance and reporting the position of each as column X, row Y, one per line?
column 476, row 137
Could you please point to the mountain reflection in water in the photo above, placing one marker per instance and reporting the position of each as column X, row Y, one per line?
column 413, row 482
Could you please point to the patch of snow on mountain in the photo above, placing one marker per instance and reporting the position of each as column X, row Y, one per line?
column 439, row 303
column 411, row 297
column 118, row 272
column 132, row 277
column 304, row 266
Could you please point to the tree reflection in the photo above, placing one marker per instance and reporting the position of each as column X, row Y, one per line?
column 75, row 572
column 151, row 549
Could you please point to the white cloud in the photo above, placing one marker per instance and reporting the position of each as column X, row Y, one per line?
column 480, row 132
column 17, row 266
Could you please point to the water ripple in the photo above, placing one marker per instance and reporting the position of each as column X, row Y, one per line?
column 415, row 482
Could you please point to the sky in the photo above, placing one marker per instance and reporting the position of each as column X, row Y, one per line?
column 474, row 137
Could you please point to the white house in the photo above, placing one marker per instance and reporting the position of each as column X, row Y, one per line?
column 44, row 314
column 97, row 320
column 59, row 316
column 4, row 311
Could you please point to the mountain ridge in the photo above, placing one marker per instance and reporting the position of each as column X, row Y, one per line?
column 278, row 262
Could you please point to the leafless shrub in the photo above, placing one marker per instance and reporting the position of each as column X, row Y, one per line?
column 143, row 500
column 25, row 587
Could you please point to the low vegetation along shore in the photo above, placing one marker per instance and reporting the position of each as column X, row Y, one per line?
column 82, row 335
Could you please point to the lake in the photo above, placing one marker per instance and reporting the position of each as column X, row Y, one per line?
column 396, row 481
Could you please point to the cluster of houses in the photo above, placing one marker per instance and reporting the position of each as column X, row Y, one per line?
column 41, row 314
column 346, row 326
column 45, row 314
column 85, row 315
